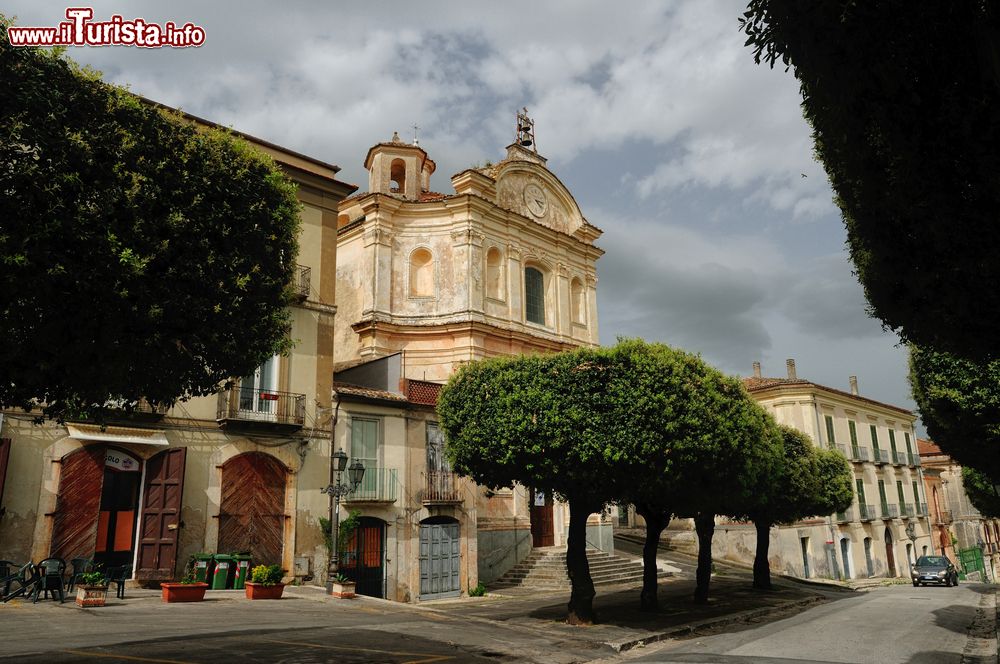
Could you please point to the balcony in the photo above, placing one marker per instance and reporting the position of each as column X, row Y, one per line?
column 120, row 412
column 867, row 512
column 378, row 486
column 921, row 509
column 907, row 510
column 846, row 516
column 914, row 459
column 442, row 488
column 900, row 458
column 301, row 282
column 943, row 518
column 881, row 456
column 843, row 451
column 859, row 454
column 261, row 410
column 890, row 511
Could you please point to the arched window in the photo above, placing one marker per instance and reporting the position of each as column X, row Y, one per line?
column 494, row 274
column 534, row 295
column 421, row 273
column 397, row 174
column 578, row 306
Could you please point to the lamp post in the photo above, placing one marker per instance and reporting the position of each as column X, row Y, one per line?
column 336, row 489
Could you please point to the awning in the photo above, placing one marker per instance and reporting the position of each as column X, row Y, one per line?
column 117, row 434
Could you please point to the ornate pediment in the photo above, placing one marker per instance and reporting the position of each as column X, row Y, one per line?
column 532, row 191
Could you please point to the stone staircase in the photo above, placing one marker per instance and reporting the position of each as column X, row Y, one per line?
column 546, row 568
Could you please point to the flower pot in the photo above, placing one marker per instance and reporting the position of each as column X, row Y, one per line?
column 343, row 590
column 183, row 592
column 88, row 596
column 260, row 591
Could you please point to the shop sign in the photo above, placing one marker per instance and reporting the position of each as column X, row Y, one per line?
column 121, row 461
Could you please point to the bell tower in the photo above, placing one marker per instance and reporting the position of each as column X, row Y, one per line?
column 398, row 168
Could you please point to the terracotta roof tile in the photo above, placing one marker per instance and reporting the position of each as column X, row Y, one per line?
column 367, row 392
column 928, row 448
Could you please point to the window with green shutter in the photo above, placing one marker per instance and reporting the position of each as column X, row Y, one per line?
column 829, row 431
column 881, row 493
column 874, row 438
column 899, row 492
column 909, row 448
column 861, row 491
column 916, row 494
column 892, row 442
column 534, row 295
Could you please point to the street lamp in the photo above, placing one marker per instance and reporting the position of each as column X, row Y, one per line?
column 356, row 472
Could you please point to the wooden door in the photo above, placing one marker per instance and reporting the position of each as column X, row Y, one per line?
column 4, row 456
column 162, row 493
column 542, row 526
column 252, row 515
column 440, row 558
column 890, row 556
column 364, row 557
column 78, row 502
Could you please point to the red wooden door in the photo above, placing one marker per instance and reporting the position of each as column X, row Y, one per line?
column 542, row 526
column 252, row 514
column 4, row 456
column 161, row 515
column 74, row 523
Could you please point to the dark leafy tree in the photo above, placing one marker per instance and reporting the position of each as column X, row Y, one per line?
column 959, row 403
column 982, row 491
column 141, row 257
column 902, row 99
column 539, row 421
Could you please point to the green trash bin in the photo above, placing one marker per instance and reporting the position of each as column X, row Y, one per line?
column 202, row 565
column 242, row 564
column 220, row 576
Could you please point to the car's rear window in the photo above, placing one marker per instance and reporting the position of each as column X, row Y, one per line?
column 932, row 560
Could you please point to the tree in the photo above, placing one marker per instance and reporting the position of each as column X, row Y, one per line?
column 539, row 421
column 902, row 101
column 959, row 403
column 142, row 257
column 982, row 492
column 680, row 428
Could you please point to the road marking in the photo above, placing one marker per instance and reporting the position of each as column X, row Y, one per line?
column 130, row 658
column 426, row 657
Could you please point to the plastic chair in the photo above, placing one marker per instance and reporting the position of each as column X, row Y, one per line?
column 118, row 576
column 7, row 567
column 80, row 566
column 51, row 572
column 21, row 583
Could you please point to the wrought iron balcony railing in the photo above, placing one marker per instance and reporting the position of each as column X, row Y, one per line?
column 266, row 409
column 859, row 453
column 867, row 512
column 943, row 518
column 890, row 511
column 377, row 486
column 846, row 516
column 900, row 458
column 442, row 487
column 906, row 510
column 921, row 509
column 302, row 282
column 914, row 459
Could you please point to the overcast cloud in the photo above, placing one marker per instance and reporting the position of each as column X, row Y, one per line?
column 720, row 231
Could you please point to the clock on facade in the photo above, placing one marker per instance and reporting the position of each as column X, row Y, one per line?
column 534, row 200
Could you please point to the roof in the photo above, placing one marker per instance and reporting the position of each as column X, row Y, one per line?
column 418, row 392
column 928, row 448
column 367, row 392
column 754, row 384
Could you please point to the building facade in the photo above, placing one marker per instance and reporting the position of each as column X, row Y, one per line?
column 239, row 471
column 427, row 281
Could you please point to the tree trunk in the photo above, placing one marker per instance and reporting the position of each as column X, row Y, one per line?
column 761, row 568
column 656, row 520
column 704, row 524
column 581, row 600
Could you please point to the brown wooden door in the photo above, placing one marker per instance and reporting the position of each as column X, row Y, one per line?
column 542, row 527
column 252, row 514
column 890, row 556
column 4, row 456
column 78, row 502
column 162, row 495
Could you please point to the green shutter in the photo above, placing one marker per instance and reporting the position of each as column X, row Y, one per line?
column 899, row 491
column 909, row 449
column 874, row 438
column 534, row 296
column 892, row 443
column 854, row 432
column 861, row 491
column 881, row 492
column 829, row 432
column 916, row 494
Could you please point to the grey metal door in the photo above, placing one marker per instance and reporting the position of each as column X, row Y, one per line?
column 439, row 560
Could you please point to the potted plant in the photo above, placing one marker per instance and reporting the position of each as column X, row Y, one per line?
column 187, row 590
column 265, row 582
column 92, row 589
column 342, row 587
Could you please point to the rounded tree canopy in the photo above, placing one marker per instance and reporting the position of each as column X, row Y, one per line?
column 959, row 403
column 982, row 492
column 142, row 257
column 902, row 99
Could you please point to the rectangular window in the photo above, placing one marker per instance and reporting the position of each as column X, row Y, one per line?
column 854, row 432
column 874, row 438
column 881, row 493
column 916, row 495
column 909, row 448
column 364, row 442
column 892, row 442
column 899, row 492
column 829, row 431
column 861, row 490
column 436, row 459
column 534, row 296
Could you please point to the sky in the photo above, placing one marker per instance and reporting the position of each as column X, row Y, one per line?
column 719, row 226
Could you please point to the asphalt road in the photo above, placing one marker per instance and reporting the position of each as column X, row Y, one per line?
column 929, row 625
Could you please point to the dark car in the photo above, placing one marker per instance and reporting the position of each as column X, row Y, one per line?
column 934, row 569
